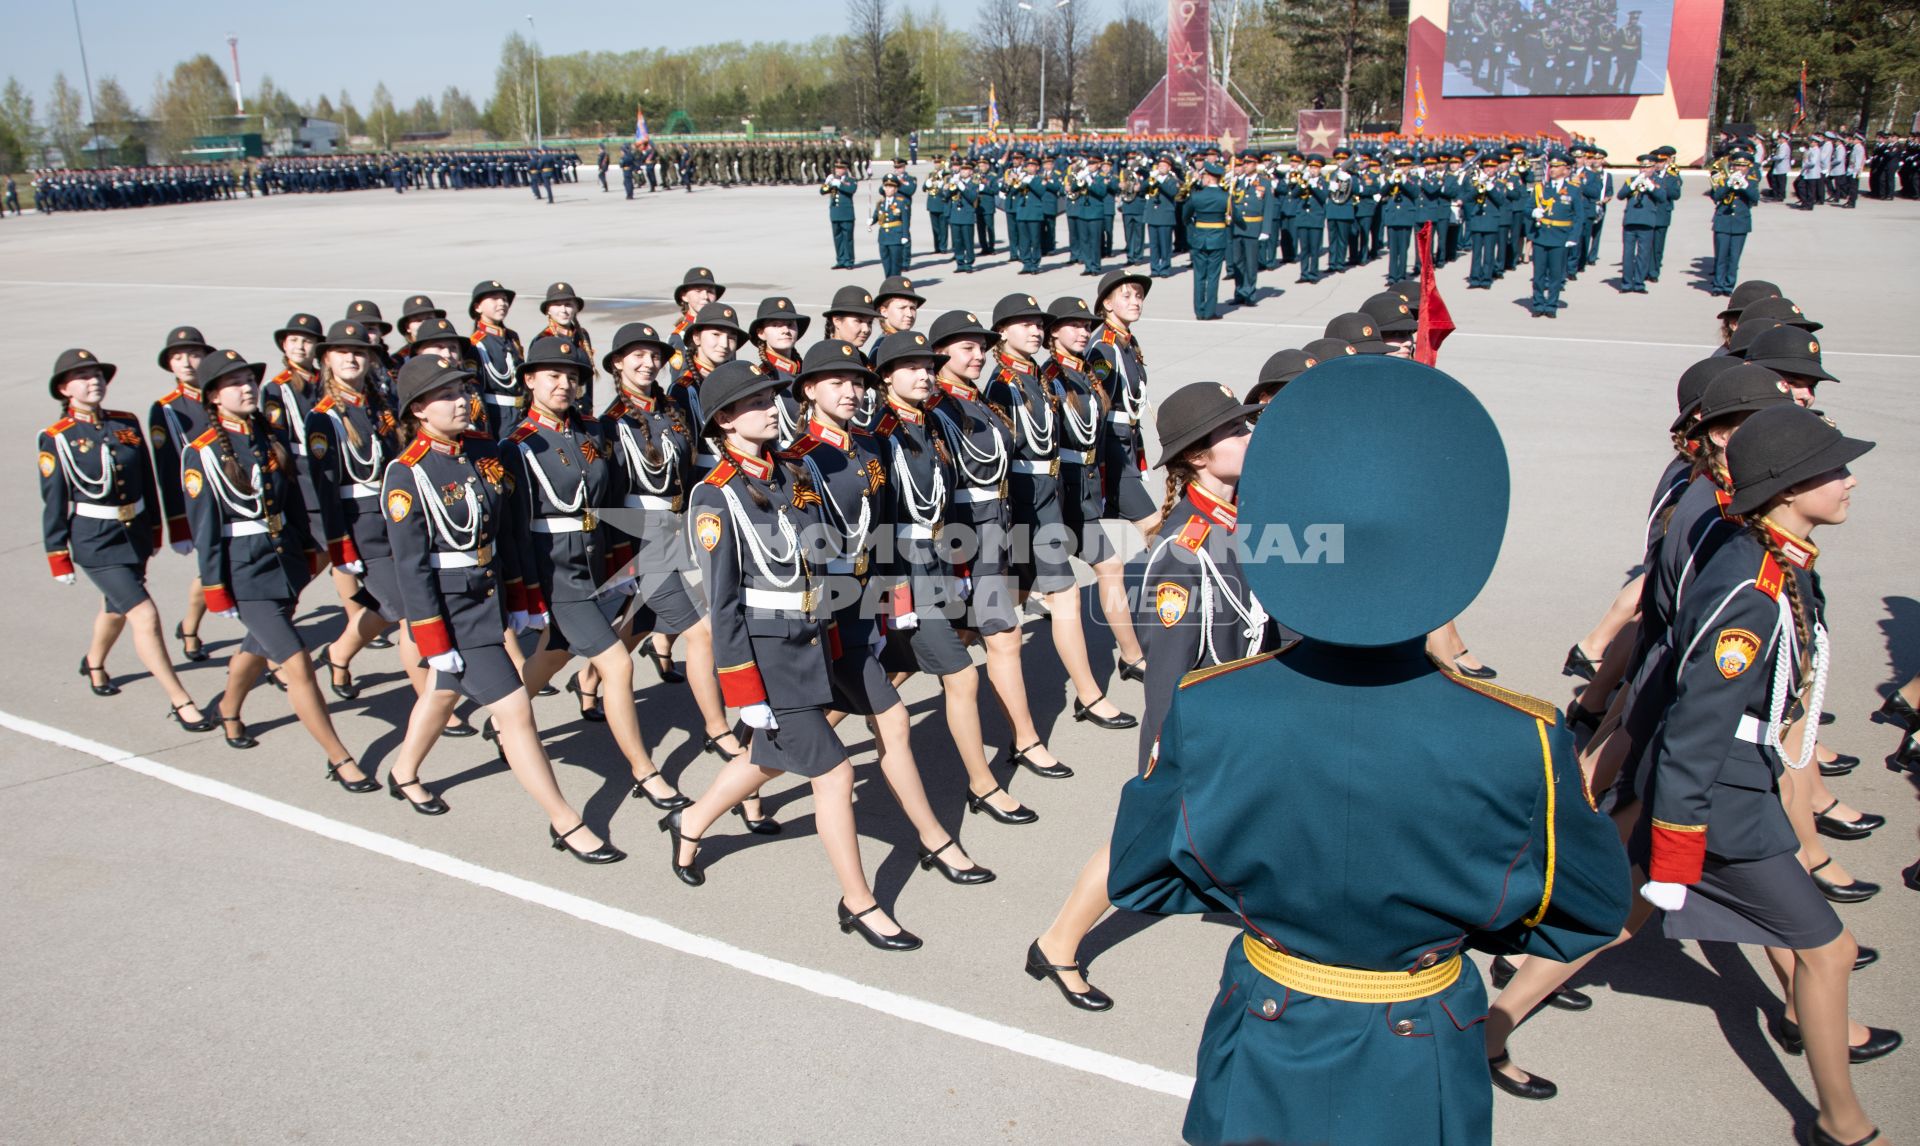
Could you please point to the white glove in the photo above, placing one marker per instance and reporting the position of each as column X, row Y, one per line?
column 517, row 621
column 448, row 662
column 1665, row 896
column 759, row 716
column 907, row 621
column 64, row 578
column 1263, row 238
column 229, row 614
column 183, row 547
column 354, row 567
column 1539, row 212
column 536, row 620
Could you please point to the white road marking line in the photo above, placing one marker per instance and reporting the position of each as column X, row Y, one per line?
column 1696, row 347
column 641, row 927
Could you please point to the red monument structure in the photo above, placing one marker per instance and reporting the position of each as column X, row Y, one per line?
column 1188, row 100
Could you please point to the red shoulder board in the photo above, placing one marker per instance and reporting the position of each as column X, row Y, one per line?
column 206, row 439
column 415, row 452
column 801, row 448
column 886, row 425
column 721, row 474
column 55, row 429
column 1107, row 335
column 167, row 399
column 523, row 431
column 479, row 336
column 283, row 376
column 1193, row 532
column 618, row 409
column 323, row 405
column 1770, row 578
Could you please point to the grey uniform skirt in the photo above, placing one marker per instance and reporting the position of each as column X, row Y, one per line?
column 488, row 677
column 123, row 586
column 270, row 630
column 1771, row 902
column 584, row 628
column 860, row 684
column 804, row 744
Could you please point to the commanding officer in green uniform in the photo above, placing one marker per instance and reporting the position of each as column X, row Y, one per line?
column 1205, row 213
column 1555, row 211
column 1363, row 856
column 1734, row 196
column 890, row 216
column 839, row 188
column 1163, row 214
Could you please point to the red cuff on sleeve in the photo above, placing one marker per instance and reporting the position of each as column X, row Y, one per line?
column 516, row 597
column 61, row 563
column 834, row 650
column 536, row 600
column 1679, row 852
column 178, row 529
column 617, row 557
column 903, row 599
column 741, row 685
column 343, row 551
column 431, row 637
column 218, row 599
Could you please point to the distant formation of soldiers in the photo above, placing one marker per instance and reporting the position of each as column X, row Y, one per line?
column 1562, row 47
column 115, row 187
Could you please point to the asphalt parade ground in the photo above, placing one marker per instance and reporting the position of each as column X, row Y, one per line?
column 203, row 945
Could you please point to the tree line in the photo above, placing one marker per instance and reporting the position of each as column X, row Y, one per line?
column 890, row 69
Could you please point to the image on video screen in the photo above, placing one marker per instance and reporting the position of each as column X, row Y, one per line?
column 1556, row 47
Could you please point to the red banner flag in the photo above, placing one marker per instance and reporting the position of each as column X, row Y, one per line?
column 1436, row 322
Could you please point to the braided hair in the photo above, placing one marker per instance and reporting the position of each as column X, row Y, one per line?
column 1180, row 474
column 1802, row 611
column 277, row 455
column 337, row 389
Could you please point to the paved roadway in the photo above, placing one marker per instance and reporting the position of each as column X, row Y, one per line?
column 210, row 946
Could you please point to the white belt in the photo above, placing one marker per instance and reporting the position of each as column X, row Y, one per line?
column 243, row 528
column 361, row 489
column 977, row 493
column 1751, row 729
column 1037, row 468
column 511, row 401
column 110, row 512
column 792, row 600
column 456, row 560
column 1077, row 457
column 646, row 501
column 1120, row 418
column 913, row 531
column 557, row 525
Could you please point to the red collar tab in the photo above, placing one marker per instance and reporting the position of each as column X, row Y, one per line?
column 827, row 435
column 957, row 388
column 234, row 425
column 1015, row 363
column 906, row 413
column 1078, row 365
column 486, row 327
column 779, row 361
column 637, row 400
column 1217, row 510
column 558, row 331
column 545, row 420
column 761, row 468
column 187, row 391
column 350, row 396
column 438, row 444
column 1115, row 333
column 79, row 415
column 1798, row 551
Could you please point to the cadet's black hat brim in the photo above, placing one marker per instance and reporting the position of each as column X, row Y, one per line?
column 1831, row 456
column 425, row 373
column 800, row 321
column 630, row 340
column 223, row 364
column 1400, row 476
column 731, row 383
column 1803, row 367
column 473, row 304
column 189, row 343
column 1191, row 435
column 1114, row 279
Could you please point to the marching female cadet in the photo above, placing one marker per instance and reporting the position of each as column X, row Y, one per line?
column 1083, row 427
column 712, row 337
column 921, row 473
column 256, row 552
column 776, row 332
column 562, row 479
column 498, row 352
column 775, row 655
column 851, row 317
column 287, row 397
column 1199, row 614
column 562, row 306
column 417, row 310
column 650, row 443
column 846, row 469
column 1345, row 1012
column 450, row 519
column 176, row 419
column 383, row 364
column 979, row 440
column 1116, row 361
column 697, row 288
column 351, row 436
column 101, row 516
column 1717, row 845
column 1030, row 407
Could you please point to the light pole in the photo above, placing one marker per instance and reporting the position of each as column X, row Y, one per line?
column 538, row 142
column 93, row 117
column 1059, row 4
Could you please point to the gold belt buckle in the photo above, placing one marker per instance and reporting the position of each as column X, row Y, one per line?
column 588, row 521
column 484, row 554
column 860, row 564
column 275, row 523
column 807, row 598
column 125, row 512
column 1053, row 469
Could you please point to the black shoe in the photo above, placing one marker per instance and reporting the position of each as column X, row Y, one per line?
column 358, row 787
column 1865, row 957
column 379, row 643
column 765, row 826
column 1536, row 1088
column 1839, row 829
column 1880, row 1041
column 1050, row 771
column 273, row 678
column 605, row 853
column 88, row 671
column 1818, row 1137
column 1911, row 875
column 1907, row 758
column 712, row 745
column 677, row 800
column 1579, row 664
column 1563, row 998
column 459, row 731
column 243, row 740
column 1856, row 892
column 594, row 715
column 548, row 690
column 347, row 691
column 1484, row 672
column 431, row 806
column 197, row 651
column 1840, row 765
column 1091, row 999
column 1134, row 670
column 930, row 860
column 1020, row 815
column 901, row 940
column 1896, row 710
column 1085, row 712
column 689, row 874
column 663, row 665
column 204, row 724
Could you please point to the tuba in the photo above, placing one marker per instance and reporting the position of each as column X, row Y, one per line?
column 1340, row 186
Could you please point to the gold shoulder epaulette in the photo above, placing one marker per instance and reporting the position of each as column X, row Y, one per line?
column 1531, row 705
column 1211, row 671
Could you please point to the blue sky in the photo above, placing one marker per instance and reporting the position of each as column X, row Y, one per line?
column 416, row 49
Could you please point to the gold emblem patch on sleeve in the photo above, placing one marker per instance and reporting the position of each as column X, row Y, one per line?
column 398, row 503
column 46, row 464
column 1169, row 603
column 1733, row 651
column 706, row 528
column 318, row 445
column 192, row 481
